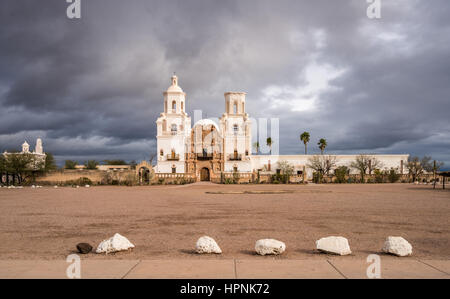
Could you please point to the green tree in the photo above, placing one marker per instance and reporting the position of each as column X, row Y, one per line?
column 305, row 137
column 50, row 163
column 22, row 165
column 69, row 164
column 341, row 174
column 269, row 143
column 393, row 175
column 115, row 162
column 322, row 145
column 91, row 164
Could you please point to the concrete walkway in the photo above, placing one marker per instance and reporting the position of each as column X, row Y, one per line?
column 226, row 269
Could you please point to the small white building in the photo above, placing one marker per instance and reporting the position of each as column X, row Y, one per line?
column 208, row 150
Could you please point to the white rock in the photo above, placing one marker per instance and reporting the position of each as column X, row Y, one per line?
column 269, row 246
column 207, row 245
column 78, row 186
column 114, row 244
column 33, row 186
column 336, row 245
column 56, row 187
column 87, row 186
column 397, row 246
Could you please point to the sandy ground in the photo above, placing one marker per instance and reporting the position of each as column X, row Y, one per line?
column 164, row 222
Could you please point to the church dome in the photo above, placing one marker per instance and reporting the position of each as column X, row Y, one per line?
column 207, row 122
column 174, row 87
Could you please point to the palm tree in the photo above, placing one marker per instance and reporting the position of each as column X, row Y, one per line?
column 322, row 144
column 256, row 146
column 305, row 138
column 269, row 143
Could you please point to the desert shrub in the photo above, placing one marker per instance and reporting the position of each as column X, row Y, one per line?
column 393, row 176
column 317, row 177
column 91, row 164
column 280, row 178
column 131, row 180
column 84, row 181
column 69, row 164
column 341, row 173
column 379, row 176
column 228, row 181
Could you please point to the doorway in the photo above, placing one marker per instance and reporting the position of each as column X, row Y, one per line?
column 204, row 175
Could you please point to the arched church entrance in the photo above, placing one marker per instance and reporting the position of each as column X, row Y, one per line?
column 204, row 175
column 144, row 175
column 144, row 171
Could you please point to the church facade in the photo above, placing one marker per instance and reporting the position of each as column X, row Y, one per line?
column 208, row 150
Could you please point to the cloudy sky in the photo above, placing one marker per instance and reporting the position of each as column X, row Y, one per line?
column 92, row 87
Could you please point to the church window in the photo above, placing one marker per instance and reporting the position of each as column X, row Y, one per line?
column 235, row 107
column 174, row 129
column 235, row 129
column 174, row 106
column 174, row 169
column 161, row 152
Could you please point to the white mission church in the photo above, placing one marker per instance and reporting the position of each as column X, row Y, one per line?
column 209, row 150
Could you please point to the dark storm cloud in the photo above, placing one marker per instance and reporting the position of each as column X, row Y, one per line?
column 92, row 88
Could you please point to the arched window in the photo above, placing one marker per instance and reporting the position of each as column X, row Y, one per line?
column 174, row 129
column 182, row 106
column 235, row 108
column 174, row 106
column 164, row 125
column 174, row 169
column 161, row 153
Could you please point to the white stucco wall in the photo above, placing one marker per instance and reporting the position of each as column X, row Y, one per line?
column 298, row 161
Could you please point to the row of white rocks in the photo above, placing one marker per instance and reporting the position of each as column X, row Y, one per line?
column 339, row 245
column 207, row 245
column 35, row 187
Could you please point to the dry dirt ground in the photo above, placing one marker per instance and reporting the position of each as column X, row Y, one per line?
column 164, row 222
